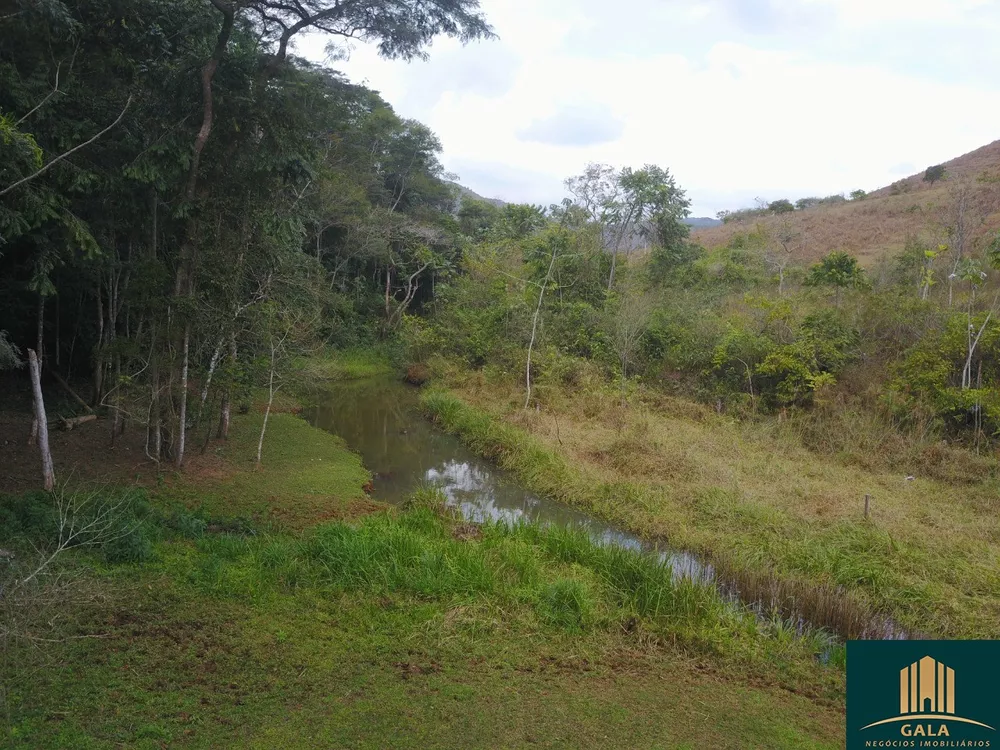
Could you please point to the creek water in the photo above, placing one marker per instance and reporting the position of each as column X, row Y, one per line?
column 381, row 420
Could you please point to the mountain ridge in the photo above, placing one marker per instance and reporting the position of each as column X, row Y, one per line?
column 880, row 225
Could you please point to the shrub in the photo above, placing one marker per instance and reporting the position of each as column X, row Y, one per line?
column 838, row 269
column 935, row 173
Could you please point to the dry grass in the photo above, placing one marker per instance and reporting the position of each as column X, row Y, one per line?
column 755, row 495
column 877, row 227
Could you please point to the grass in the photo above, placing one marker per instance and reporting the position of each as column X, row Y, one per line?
column 399, row 631
column 306, row 475
column 351, row 364
column 278, row 608
column 776, row 516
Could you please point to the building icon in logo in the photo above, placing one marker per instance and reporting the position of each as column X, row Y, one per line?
column 927, row 692
column 927, row 687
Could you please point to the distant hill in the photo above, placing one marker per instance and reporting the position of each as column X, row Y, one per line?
column 465, row 192
column 878, row 226
column 702, row 221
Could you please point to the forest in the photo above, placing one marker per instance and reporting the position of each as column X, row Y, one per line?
column 201, row 234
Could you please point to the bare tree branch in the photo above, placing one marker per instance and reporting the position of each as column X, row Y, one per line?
column 73, row 150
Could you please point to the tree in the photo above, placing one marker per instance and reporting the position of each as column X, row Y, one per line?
column 477, row 217
column 858, row 195
column 935, row 173
column 553, row 243
column 782, row 206
column 839, row 270
column 780, row 247
column 631, row 204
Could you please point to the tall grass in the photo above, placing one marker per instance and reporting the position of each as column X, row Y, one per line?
column 557, row 577
column 851, row 556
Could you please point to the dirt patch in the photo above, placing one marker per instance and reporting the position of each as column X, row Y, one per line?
column 466, row 532
column 316, row 510
column 417, row 374
column 209, row 466
column 81, row 454
column 408, row 669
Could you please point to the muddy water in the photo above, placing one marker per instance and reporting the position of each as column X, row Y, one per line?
column 381, row 420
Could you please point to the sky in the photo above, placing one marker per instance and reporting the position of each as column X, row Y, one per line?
column 740, row 99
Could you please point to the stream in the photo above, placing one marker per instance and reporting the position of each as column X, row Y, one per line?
column 381, row 420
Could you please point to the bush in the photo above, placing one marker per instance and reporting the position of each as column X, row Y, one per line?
column 935, row 173
column 930, row 375
column 838, row 269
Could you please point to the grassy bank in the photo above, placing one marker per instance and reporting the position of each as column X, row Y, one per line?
column 276, row 608
column 751, row 498
column 405, row 630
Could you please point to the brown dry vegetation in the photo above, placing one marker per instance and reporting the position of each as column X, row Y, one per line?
column 878, row 226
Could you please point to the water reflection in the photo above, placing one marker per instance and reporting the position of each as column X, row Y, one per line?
column 381, row 420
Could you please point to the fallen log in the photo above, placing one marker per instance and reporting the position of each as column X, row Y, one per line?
column 71, row 392
column 69, row 424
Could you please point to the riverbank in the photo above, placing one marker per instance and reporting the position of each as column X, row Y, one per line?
column 321, row 620
column 750, row 498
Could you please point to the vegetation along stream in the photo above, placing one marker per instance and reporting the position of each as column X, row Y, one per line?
column 381, row 420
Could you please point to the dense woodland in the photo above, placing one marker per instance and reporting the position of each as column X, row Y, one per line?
column 184, row 201
column 185, row 208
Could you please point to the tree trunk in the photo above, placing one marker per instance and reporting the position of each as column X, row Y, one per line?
column 117, row 424
column 48, row 472
column 227, row 398
column 98, row 394
column 216, row 355
column 41, row 354
column 182, row 417
column 534, row 326
column 70, row 391
column 267, row 412
column 41, row 332
column 57, row 330
column 153, row 424
column 614, row 261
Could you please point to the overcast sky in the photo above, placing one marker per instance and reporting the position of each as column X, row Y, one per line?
column 738, row 98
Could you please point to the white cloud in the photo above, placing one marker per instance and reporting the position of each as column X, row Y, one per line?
column 733, row 117
column 874, row 12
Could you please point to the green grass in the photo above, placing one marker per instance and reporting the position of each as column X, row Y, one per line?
column 306, row 475
column 351, row 364
column 768, row 513
column 398, row 631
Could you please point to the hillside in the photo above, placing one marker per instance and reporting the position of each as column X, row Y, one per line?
column 464, row 192
column 878, row 226
column 701, row 221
